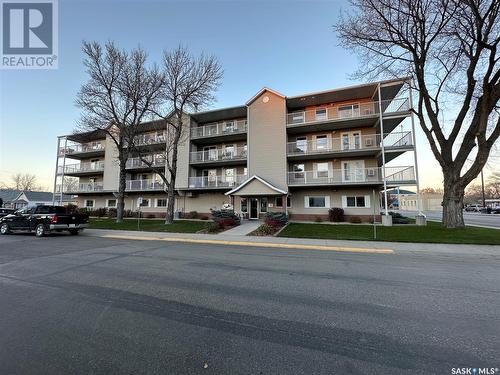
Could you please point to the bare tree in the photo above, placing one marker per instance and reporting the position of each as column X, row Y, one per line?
column 189, row 83
column 450, row 49
column 25, row 181
column 117, row 98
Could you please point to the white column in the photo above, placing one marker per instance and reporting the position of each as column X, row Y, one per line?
column 56, row 172
column 63, row 170
column 419, row 203
column 381, row 121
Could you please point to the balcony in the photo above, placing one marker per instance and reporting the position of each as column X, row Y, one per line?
column 144, row 185
column 90, row 187
column 83, row 150
column 216, row 182
column 214, row 156
column 149, row 139
column 82, row 169
column 349, row 145
column 138, row 163
column 366, row 114
column 358, row 176
column 227, row 130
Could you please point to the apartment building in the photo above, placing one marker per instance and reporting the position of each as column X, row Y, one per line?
column 301, row 154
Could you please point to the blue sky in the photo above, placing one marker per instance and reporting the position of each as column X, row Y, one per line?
column 289, row 46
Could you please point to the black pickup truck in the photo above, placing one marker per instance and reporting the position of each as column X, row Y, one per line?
column 42, row 220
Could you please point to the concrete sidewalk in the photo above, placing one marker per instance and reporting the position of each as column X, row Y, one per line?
column 299, row 243
column 246, row 226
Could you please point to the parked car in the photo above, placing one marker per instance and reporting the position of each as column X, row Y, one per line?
column 473, row 208
column 6, row 211
column 42, row 220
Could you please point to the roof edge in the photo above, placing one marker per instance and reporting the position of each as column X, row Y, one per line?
column 269, row 185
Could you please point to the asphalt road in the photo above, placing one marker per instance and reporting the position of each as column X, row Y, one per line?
column 87, row 305
column 470, row 218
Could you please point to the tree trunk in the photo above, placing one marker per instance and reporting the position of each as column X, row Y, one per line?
column 453, row 201
column 169, row 218
column 120, row 202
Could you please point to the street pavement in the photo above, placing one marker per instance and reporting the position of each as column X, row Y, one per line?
column 470, row 218
column 93, row 305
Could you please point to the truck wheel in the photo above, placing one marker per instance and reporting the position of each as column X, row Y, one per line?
column 73, row 232
column 4, row 228
column 40, row 230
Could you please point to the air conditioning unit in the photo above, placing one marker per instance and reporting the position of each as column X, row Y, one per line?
column 370, row 172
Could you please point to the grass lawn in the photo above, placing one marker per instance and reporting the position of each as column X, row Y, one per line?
column 149, row 225
column 433, row 233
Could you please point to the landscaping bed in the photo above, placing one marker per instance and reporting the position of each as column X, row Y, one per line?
column 432, row 233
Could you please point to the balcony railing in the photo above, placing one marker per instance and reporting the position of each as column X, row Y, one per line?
column 219, row 128
column 82, row 148
column 218, row 154
column 350, row 111
column 349, row 142
column 141, row 185
column 149, row 139
column 84, row 188
column 139, row 163
column 208, row 182
column 352, row 176
column 82, row 168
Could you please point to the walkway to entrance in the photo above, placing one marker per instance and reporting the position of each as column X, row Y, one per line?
column 243, row 229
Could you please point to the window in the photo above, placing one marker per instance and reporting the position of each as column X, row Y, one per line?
column 301, row 144
column 358, row 201
column 111, row 203
column 321, row 142
column 243, row 205
column 229, row 151
column 89, row 203
column 263, row 204
column 317, row 202
column 161, row 202
column 279, row 201
column 229, row 174
column 296, row 118
column 322, row 169
column 145, row 202
column 245, row 171
column 321, row 114
column 348, row 111
column 229, row 126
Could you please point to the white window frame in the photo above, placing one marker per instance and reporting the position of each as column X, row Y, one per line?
column 327, row 200
column 89, row 200
column 321, row 117
column 326, row 137
column 138, row 205
column 367, row 201
column 113, row 199
column 156, row 202
column 317, row 171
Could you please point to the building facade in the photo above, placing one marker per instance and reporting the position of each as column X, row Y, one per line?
column 302, row 155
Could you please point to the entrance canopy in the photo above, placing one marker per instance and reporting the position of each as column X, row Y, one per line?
column 256, row 185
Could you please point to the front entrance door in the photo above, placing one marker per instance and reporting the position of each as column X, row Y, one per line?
column 254, row 208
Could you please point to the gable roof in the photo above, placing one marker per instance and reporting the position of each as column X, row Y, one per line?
column 260, row 179
column 264, row 89
column 8, row 195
